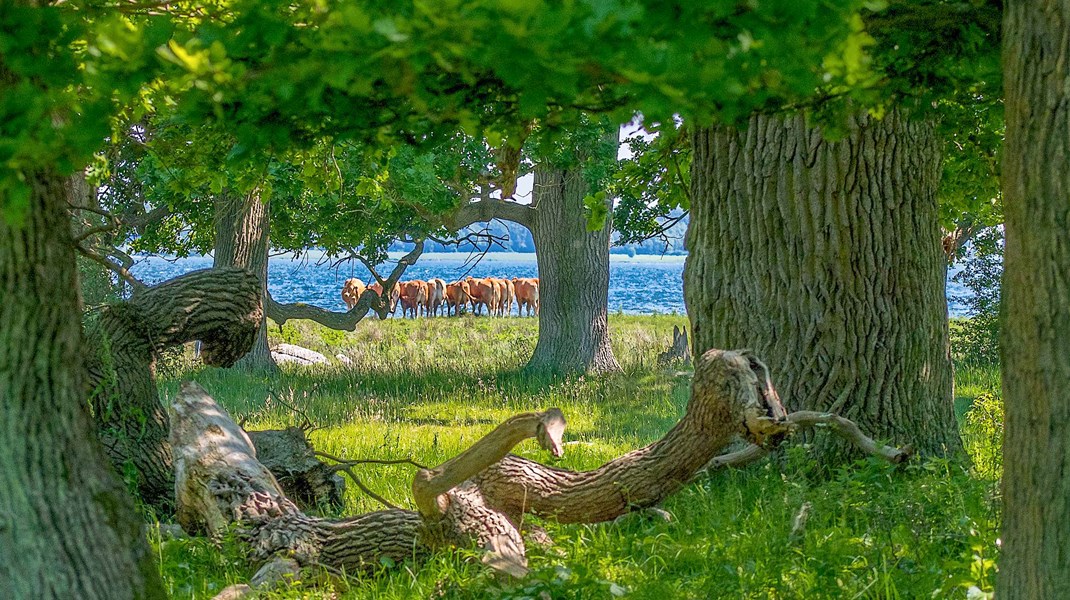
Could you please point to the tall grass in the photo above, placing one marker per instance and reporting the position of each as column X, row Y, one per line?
column 426, row 389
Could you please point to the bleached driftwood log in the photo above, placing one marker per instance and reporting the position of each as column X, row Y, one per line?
column 289, row 353
column 478, row 497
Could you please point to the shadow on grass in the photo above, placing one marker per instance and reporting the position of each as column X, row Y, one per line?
column 638, row 404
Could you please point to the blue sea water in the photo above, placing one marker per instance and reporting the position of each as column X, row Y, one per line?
column 637, row 285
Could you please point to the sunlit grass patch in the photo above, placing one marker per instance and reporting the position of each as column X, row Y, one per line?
column 426, row 389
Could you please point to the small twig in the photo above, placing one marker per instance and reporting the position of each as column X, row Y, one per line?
column 307, row 427
column 349, row 471
column 370, row 461
column 346, row 466
column 119, row 270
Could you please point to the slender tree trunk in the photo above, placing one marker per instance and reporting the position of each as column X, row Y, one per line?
column 824, row 258
column 573, row 278
column 67, row 526
column 241, row 240
column 1035, row 343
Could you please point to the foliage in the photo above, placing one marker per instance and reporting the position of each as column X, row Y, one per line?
column 425, row 389
column 976, row 339
column 982, row 434
column 652, row 186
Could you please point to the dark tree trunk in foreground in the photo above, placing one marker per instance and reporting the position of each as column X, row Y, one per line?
column 220, row 307
column 67, row 525
column 824, row 258
column 573, row 278
column 1035, row 344
column 241, row 240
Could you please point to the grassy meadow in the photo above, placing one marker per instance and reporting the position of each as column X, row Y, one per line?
column 426, row 389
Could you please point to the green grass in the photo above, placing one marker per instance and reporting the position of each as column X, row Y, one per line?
column 426, row 389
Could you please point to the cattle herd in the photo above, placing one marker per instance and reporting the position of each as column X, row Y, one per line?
column 434, row 297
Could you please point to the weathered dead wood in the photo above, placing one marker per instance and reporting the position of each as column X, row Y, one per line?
column 480, row 496
column 477, row 497
column 679, row 351
column 807, row 419
column 219, row 307
column 730, row 395
column 304, row 478
column 220, row 482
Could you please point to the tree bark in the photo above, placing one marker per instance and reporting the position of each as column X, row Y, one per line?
column 825, row 259
column 220, row 307
column 573, row 278
column 241, row 240
column 67, row 526
column 479, row 496
column 1035, row 561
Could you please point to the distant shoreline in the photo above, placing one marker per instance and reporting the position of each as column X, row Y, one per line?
column 525, row 257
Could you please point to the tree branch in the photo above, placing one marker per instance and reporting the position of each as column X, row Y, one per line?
column 344, row 321
column 488, row 209
column 807, row 419
column 429, row 485
column 119, row 270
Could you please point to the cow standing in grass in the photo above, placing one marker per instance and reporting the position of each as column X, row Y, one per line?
column 527, row 294
column 436, row 295
column 484, row 293
column 351, row 291
column 413, row 296
column 458, row 294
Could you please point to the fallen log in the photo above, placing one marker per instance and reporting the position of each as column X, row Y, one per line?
column 221, row 308
column 477, row 497
column 480, row 496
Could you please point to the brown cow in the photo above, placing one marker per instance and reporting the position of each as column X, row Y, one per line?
column 395, row 293
column 351, row 291
column 484, row 293
column 507, row 301
column 436, row 295
column 527, row 294
column 413, row 295
column 457, row 294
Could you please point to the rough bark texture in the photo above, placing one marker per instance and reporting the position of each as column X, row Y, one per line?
column 241, row 240
column 67, row 526
column 573, row 278
column 220, row 307
column 1035, row 344
column 304, row 478
column 824, row 258
column 725, row 391
column 479, row 496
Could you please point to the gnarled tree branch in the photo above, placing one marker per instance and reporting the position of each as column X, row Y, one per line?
column 219, row 307
column 488, row 209
column 345, row 321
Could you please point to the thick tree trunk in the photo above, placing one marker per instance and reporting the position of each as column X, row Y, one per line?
column 241, row 240
column 67, row 526
column 573, row 278
column 824, row 258
column 1035, row 561
column 220, row 307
